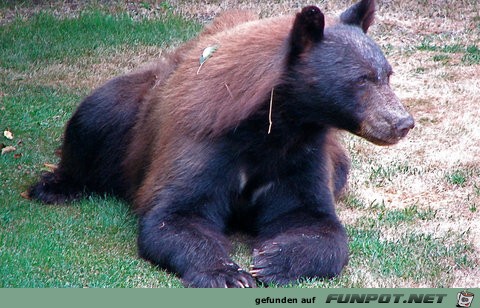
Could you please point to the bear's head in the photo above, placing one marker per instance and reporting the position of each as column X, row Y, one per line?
column 341, row 78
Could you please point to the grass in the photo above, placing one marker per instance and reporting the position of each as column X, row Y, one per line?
column 470, row 53
column 93, row 242
column 88, row 244
column 458, row 178
column 88, row 35
column 410, row 211
column 393, row 262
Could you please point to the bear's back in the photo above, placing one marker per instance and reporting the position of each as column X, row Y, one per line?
column 248, row 62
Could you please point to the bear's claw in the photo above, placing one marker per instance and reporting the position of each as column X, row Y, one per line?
column 270, row 265
column 229, row 277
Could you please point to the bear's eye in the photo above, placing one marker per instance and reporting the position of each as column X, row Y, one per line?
column 362, row 80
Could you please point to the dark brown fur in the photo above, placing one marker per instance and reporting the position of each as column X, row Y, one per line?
column 238, row 78
column 244, row 141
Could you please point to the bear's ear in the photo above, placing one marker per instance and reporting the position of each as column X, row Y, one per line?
column 360, row 14
column 307, row 30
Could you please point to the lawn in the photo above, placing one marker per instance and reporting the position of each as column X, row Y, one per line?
column 411, row 210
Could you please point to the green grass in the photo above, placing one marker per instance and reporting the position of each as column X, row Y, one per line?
column 414, row 257
column 461, row 176
column 471, row 53
column 93, row 242
column 380, row 174
column 458, row 178
column 407, row 256
column 16, row 3
column 45, row 38
column 441, row 58
column 410, row 214
column 88, row 244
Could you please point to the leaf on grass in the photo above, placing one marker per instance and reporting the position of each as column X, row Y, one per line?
column 8, row 149
column 25, row 195
column 50, row 167
column 8, row 134
column 17, row 155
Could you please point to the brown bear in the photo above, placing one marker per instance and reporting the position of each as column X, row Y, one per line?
column 242, row 140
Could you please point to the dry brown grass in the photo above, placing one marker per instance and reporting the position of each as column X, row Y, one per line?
column 91, row 72
column 444, row 98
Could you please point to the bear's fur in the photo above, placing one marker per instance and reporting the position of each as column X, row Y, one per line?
column 244, row 142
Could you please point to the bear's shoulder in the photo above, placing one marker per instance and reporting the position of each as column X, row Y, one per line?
column 245, row 63
column 246, row 60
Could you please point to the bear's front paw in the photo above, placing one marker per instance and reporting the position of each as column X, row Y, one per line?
column 288, row 258
column 230, row 276
column 271, row 264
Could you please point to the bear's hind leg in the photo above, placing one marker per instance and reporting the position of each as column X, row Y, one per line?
column 300, row 245
column 55, row 188
column 68, row 181
column 192, row 247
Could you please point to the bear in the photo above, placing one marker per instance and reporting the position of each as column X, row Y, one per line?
column 244, row 140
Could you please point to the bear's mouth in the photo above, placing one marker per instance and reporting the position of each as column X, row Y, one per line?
column 385, row 133
column 380, row 142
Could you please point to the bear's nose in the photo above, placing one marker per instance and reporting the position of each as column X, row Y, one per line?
column 405, row 125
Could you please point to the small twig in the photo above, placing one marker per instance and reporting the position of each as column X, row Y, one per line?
column 198, row 71
column 228, row 89
column 157, row 82
column 270, row 122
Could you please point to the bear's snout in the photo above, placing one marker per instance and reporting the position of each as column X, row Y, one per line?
column 404, row 126
column 386, row 127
